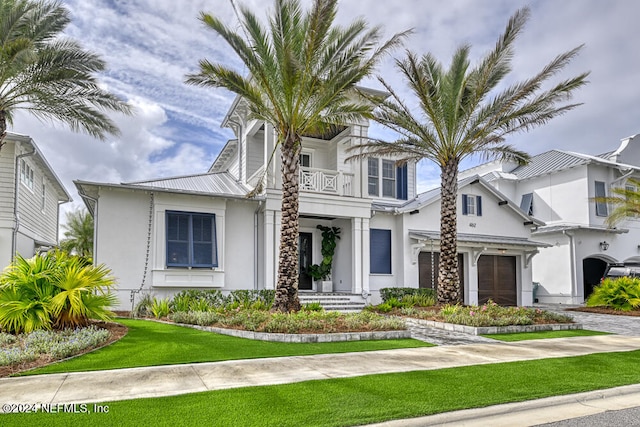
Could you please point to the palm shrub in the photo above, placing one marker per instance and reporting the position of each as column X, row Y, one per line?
column 54, row 290
column 620, row 294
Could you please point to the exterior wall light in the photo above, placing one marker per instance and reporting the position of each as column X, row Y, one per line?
column 604, row 245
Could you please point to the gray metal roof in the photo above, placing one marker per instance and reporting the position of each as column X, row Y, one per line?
column 483, row 239
column 210, row 183
column 547, row 162
column 558, row 228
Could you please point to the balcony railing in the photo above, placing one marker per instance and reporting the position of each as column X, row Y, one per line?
column 326, row 181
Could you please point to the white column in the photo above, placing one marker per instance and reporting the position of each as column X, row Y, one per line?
column 356, row 256
column 270, row 257
column 365, row 255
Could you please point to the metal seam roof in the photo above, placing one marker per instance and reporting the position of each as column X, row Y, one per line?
column 479, row 238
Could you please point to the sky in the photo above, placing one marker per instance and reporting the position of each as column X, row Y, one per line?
column 150, row 45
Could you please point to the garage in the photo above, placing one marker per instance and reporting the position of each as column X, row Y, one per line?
column 428, row 276
column 497, row 279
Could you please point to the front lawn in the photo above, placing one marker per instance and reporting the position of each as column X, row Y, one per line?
column 151, row 344
column 522, row 336
column 362, row 400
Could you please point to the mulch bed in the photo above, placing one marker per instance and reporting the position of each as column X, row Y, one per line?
column 605, row 310
column 116, row 331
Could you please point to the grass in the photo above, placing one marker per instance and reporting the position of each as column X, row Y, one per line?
column 367, row 399
column 153, row 344
column 523, row 336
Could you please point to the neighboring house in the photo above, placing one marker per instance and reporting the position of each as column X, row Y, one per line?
column 201, row 231
column 557, row 187
column 30, row 197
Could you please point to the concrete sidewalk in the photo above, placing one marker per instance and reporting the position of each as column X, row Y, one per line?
column 122, row 384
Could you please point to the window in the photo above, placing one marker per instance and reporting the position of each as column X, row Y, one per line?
column 380, row 251
column 393, row 180
column 471, row 205
column 373, row 177
column 601, row 207
column 26, row 174
column 388, row 178
column 526, row 204
column 43, row 197
column 191, row 240
column 305, row 160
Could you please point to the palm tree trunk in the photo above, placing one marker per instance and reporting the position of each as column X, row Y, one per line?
column 448, row 278
column 3, row 127
column 286, row 298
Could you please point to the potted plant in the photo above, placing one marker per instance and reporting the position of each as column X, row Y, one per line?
column 322, row 272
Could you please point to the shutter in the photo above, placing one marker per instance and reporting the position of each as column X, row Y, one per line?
column 479, row 205
column 464, row 205
column 380, row 251
column 401, row 183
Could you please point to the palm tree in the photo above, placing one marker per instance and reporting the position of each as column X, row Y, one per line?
column 463, row 112
column 625, row 200
column 48, row 75
column 302, row 73
column 78, row 234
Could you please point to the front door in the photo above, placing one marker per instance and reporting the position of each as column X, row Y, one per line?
column 497, row 279
column 305, row 248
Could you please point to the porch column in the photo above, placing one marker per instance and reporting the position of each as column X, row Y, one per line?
column 271, row 240
column 360, row 259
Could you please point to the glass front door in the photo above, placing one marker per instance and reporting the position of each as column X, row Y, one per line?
column 305, row 250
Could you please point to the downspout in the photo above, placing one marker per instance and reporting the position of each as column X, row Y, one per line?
column 16, row 193
column 572, row 256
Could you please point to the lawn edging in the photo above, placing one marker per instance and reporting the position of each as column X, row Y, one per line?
column 484, row 330
column 303, row 338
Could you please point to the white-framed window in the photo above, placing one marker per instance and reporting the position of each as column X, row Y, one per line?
column 471, row 205
column 305, row 160
column 600, row 191
column 26, row 174
column 43, row 196
column 388, row 178
column 374, row 174
column 191, row 239
column 526, row 204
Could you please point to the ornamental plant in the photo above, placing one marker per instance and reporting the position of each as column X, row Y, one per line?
column 54, row 290
column 620, row 294
column 322, row 271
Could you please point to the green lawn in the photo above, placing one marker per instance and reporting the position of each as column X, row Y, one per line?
column 522, row 336
column 361, row 400
column 152, row 344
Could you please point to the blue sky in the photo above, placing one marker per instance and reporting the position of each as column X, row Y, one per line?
column 149, row 46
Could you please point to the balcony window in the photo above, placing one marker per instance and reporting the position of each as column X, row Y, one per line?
column 373, row 177
column 388, row 178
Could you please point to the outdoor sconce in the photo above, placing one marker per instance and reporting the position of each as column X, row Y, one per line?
column 604, row 245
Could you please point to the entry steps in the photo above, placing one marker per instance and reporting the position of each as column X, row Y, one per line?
column 346, row 303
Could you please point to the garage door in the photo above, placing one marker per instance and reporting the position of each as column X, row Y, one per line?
column 426, row 279
column 497, row 279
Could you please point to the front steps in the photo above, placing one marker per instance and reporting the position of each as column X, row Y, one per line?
column 346, row 303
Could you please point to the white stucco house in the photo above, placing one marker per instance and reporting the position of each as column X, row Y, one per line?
column 201, row 231
column 557, row 188
column 30, row 199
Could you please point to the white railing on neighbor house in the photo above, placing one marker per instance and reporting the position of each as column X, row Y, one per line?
column 326, row 181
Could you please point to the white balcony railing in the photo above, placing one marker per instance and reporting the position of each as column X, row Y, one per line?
column 326, row 181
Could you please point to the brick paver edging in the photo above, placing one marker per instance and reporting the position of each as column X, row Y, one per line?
column 472, row 330
column 304, row 338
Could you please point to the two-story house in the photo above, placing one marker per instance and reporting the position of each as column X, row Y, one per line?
column 558, row 187
column 30, row 199
column 202, row 231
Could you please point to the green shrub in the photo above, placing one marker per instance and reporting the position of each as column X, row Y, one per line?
column 160, row 308
column 245, row 298
column 313, row 306
column 620, row 294
column 400, row 293
column 143, row 308
column 202, row 318
column 54, row 290
column 419, row 300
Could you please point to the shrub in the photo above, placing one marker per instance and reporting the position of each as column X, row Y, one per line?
column 54, row 290
column 143, row 308
column 620, row 294
column 399, row 293
column 313, row 306
column 160, row 308
column 202, row 318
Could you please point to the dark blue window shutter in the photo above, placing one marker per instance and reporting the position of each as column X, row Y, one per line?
column 464, row 205
column 380, row 251
column 402, row 190
column 478, row 205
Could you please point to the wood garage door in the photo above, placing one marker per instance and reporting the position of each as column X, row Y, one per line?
column 497, row 279
column 424, row 265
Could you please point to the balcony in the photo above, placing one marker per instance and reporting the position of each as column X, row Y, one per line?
column 326, row 181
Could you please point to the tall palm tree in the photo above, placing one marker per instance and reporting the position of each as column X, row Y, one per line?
column 48, row 75
column 624, row 200
column 302, row 71
column 463, row 112
column 78, row 234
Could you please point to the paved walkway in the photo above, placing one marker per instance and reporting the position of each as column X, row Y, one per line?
column 122, row 384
